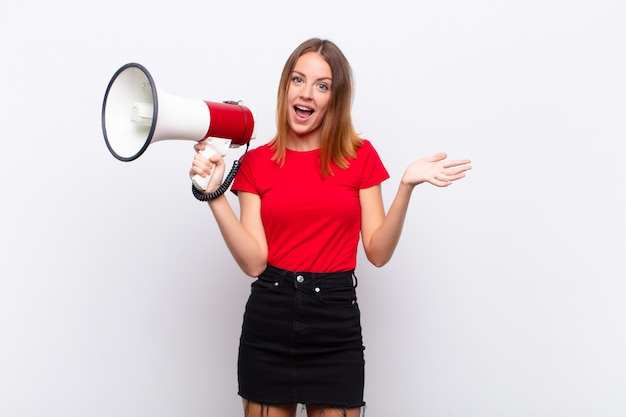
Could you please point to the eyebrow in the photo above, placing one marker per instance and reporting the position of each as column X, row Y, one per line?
column 304, row 76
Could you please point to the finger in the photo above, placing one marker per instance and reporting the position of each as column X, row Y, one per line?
column 457, row 162
column 451, row 178
column 203, row 159
column 198, row 170
column 202, row 164
column 215, row 158
column 440, row 182
column 457, row 170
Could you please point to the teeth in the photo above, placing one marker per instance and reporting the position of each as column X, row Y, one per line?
column 303, row 108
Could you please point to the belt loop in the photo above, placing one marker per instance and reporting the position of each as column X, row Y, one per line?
column 284, row 274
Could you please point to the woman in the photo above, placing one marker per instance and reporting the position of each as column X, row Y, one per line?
column 305, row 198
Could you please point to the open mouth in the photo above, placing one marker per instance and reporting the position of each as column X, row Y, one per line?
column 303, row 111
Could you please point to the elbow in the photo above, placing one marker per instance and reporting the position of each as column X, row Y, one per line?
column 379, row 264
column 378, row 261
column 253, row 271
column 251, row 264
column 377, row 255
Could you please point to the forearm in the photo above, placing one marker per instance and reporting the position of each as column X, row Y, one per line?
column 245, row 249
column 385, row 238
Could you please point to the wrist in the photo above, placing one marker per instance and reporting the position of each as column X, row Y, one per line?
column 408, row 185
column 216, row 200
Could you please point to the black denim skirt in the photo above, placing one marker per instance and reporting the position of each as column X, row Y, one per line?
column 301, row 340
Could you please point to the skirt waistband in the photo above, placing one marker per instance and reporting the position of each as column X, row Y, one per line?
column 272, row 272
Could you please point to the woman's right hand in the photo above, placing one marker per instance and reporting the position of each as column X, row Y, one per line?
column 204, row 166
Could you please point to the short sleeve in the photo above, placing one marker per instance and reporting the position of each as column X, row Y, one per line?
column 244, row 179
column 373, row 170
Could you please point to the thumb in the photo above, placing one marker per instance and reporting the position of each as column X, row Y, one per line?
column 438, row 156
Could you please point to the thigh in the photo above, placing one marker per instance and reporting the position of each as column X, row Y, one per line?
column 318, row 411
column 252, row 409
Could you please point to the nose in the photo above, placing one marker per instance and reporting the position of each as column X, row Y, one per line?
column 306, row 92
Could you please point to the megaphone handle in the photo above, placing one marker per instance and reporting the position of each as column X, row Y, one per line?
column 200, row 182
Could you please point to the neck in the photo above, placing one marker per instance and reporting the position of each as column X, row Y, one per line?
column 303, row 143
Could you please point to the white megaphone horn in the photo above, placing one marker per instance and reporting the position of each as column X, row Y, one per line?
column 136, row 114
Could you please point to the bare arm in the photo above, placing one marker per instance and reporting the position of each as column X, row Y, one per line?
column 381, row 232
column 244, row 236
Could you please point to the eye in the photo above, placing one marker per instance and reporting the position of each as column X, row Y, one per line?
column 296, row 79
column 323, row 86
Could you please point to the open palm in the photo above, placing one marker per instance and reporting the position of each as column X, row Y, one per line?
column 436, row 169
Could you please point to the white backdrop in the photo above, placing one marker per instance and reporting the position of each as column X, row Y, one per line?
column 505, row 296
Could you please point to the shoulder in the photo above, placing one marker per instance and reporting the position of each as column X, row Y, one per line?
column 261, row 151
column 370, row 164
column 254, row 165
column 365, row 149
column 366, row 146
column 259, row 154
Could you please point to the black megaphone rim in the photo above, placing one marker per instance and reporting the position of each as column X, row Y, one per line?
column 154, row 114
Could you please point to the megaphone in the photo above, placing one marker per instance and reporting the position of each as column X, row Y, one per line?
column 136, row 114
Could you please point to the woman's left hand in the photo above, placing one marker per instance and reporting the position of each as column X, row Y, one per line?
column 436, row 170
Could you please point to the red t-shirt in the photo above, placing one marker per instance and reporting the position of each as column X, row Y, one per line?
column 312, row 224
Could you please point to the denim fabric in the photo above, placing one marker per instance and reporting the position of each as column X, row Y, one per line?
column 301, row 340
